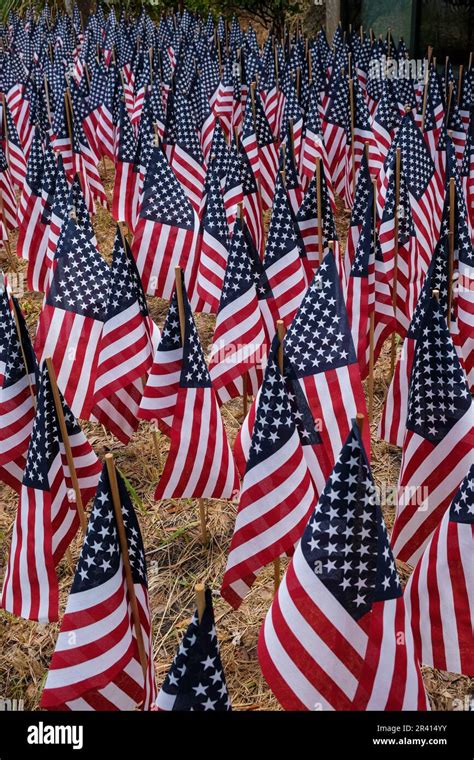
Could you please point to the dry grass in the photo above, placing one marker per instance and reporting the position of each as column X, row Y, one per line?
column 175, row 555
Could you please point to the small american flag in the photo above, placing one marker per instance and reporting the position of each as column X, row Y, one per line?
column 440, row 590
column 107, row 675
column 47, row 518
column 331, row 639
column 197, row 427
column 438, row 446
column 196, row 679
column 126, row 175
column 215, row 243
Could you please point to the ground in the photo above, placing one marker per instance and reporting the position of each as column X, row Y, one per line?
column 175, row 555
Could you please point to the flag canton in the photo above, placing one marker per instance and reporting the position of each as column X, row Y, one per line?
column 367, row 248
column 44, row 442
column 436, row 279
column 304, row 420
column 274, row 423
column 196, row 677
column 247, row 177
column 468, row 155
column 164, row 200
column 282, row 235
column 11, row 354
column 61, row 192
column 186, row 133
column 364, row 194
column 81, row 276
column 434, row 102
column 48, row 184
column 346, row 543
column 319, row 338
column 439, row 395
column 34, row 169
column 388, row 112
column 100, row 556
column 127, row 143
column 288, row 165
column 214, row 220
column 123, row 289
column 462, row 507
column 262, row 128
column 361, row 111
column 308, row 210
column 171, row 333
column 338, row 107
column 219, row 151
column 239, row 276
column 417, row 165
column 194, row 371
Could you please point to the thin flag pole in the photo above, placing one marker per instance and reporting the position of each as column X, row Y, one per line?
column 395, row 258
column 370, row 388
column 461, row 69
column 122, row 536
column 351, row 98
column 452, row 200
column 200, row 591
column 360, row 419
column 182, row 326
column 281, row 331
column 67, row 444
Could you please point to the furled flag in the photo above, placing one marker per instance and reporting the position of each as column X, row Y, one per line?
column 467, row 174
column 239, row 341
column 438, row 446
column 47, row 518
column 196, row 679
column 8, row 210
column 199, row 462
column 17, row 389
column 277, row 493
column 96, row 662
column 313, row 142
column 320, row 348
column 61, row 206
column 187, row 161
column 215, row 243
column 368, row 293
column 266, row 165
column 290, row 172
column 166, row 234
column 71, row 320
column 283, row 260
column 364, row 197
column 125, row 346
column 13, row 148
column 336, row 636
column 126, row 173
column 440, row 592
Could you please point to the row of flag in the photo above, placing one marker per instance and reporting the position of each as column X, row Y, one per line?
column 210, row 136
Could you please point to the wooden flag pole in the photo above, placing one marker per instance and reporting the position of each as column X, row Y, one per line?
column 452, row 201
column 461, row 68
column 122, row 536
column 351, row 98
column 200, row 591
column 370, row 388
column 360, row 419
column 450, row 97
column 4, row 222
column 281, row 331
column 319, row 209
column 182, row 326
column 67, row 445
column 395, row 258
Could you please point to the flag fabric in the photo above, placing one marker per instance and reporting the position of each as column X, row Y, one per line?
column 310, row 228
column 125, row 345
column 17, row 390
column 215, row 243
column 47, row 518
column 197, row 427
column 196, row 679
column 239, row 341
column 320, row 348
column 126, row 173
column 166, row 234
column 438, row 446
column 277, row 493
column 101, row 669
column 73, row 313
column 440, row 591
column 336, row 636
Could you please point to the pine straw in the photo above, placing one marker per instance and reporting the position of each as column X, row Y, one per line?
column 175, row 555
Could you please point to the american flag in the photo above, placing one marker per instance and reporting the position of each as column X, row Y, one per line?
column 71, row 320
column 166, row 234
column 187, row 161
column 47, row 518
column 196, row 679
column 313, row 142
column 368, row 292
column 336, row 128
column 283, row 260
column 215, row 243
column 363, row 198
column 386, row 121
column 440, row 590
column 8, row 210
column 331, row 639
column 107, row 675
column 17, row 390
column 126, row 174
column 63, row 202
column 267, row 152
column 252, row 201
column 463, row 288
column 125, row 346
column 320, row 348
column 438, row 444
column 277, row 493
column 293, row 185
column 310, row 229
column 467, row 174
column 239, row 341
column 13, row 148
column 197, row 427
